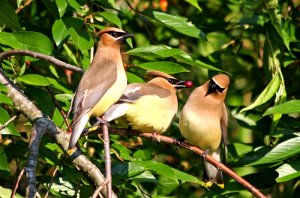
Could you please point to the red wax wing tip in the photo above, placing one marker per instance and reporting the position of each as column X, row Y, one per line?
column 188, row 84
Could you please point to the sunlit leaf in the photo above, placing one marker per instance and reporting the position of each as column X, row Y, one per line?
column 164, row 66
column 266, row 95
column 10, row 128
column 59, row 31
column 288, row 171
column 132, row 78
column 34, row 79
column 162, row 51
column 178, row 23
column 195, row 4
column 292, row 106
column 280, row 152
column 112, row 18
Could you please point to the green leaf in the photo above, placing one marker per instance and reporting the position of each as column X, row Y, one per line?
column 8, row 17
column 166, row 185
column 27, row 40
column 58, row 119
column 8, row 39
column 59, row 31
column 282, row 151
column 3, row 160
column 10, row 128
column 292, row 106
column 184, row 58
column 178, row 23
column 61, row 6
column 195, row 4
column 66, row 98
column 34, row 79
column 79, row 34
column 288, row 171
column 5, row 100
column 123, row 152
column 161, row 51
column 132, row 78
column 6, row 192
column 112, row 18
column 267, row 93
column 58, row 86
column 164, row 66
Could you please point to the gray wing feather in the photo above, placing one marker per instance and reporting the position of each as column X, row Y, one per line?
column 95, row 82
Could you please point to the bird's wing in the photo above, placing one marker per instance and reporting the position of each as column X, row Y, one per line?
column 136, row 90
column 90, row 91
column 224, row 123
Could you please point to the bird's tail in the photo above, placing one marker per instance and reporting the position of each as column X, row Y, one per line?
column 215, row 175
column 77, row 130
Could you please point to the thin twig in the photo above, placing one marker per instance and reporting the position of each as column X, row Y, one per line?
column 108, row 177
column 97, row 191
column 50, row 59
column 27, row 3
column 15, row 188
column 161, row 138
column 7, row 122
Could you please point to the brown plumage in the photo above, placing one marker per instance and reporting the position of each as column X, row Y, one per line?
column 151, row 106
column 203, row 121
column 102, row 84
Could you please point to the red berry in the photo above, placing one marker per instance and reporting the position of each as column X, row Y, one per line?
column 188, row 84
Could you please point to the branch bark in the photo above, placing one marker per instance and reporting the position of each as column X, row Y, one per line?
column 44, row 125
column 50, row 59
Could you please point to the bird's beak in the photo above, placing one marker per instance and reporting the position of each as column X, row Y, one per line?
column 183, row 84
column 125, row 36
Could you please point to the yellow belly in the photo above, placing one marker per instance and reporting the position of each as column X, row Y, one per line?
column 111, row 96
column 199, row 131
column 151, row 114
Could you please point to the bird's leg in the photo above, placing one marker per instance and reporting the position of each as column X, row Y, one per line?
column 155, row 136
column 100, row 121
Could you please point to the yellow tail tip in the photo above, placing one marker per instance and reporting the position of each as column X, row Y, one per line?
column 210, row 183
column 71, row 151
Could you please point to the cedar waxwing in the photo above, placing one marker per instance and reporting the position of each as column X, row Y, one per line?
column 151, row 106
column 203, row 122
column 102, row 84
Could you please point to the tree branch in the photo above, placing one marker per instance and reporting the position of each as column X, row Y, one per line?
column 50, row 59
column 161, row 138
column 44, row 125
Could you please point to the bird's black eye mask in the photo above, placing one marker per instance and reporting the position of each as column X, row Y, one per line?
column 213, row 87
column 172, row 81
column 116, row 34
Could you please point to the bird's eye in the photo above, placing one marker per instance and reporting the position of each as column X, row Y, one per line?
column 172, row 81
column 215, row 86
column 113, row 34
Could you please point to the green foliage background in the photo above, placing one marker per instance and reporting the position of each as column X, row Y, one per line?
column 255, row 42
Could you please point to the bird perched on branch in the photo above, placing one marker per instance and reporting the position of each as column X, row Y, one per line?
column 151, row 106
column 203, row 122
column 102, row 84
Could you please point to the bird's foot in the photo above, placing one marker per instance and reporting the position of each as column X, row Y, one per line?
column 178, row 141
column 101, row 121
column 155, row 136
